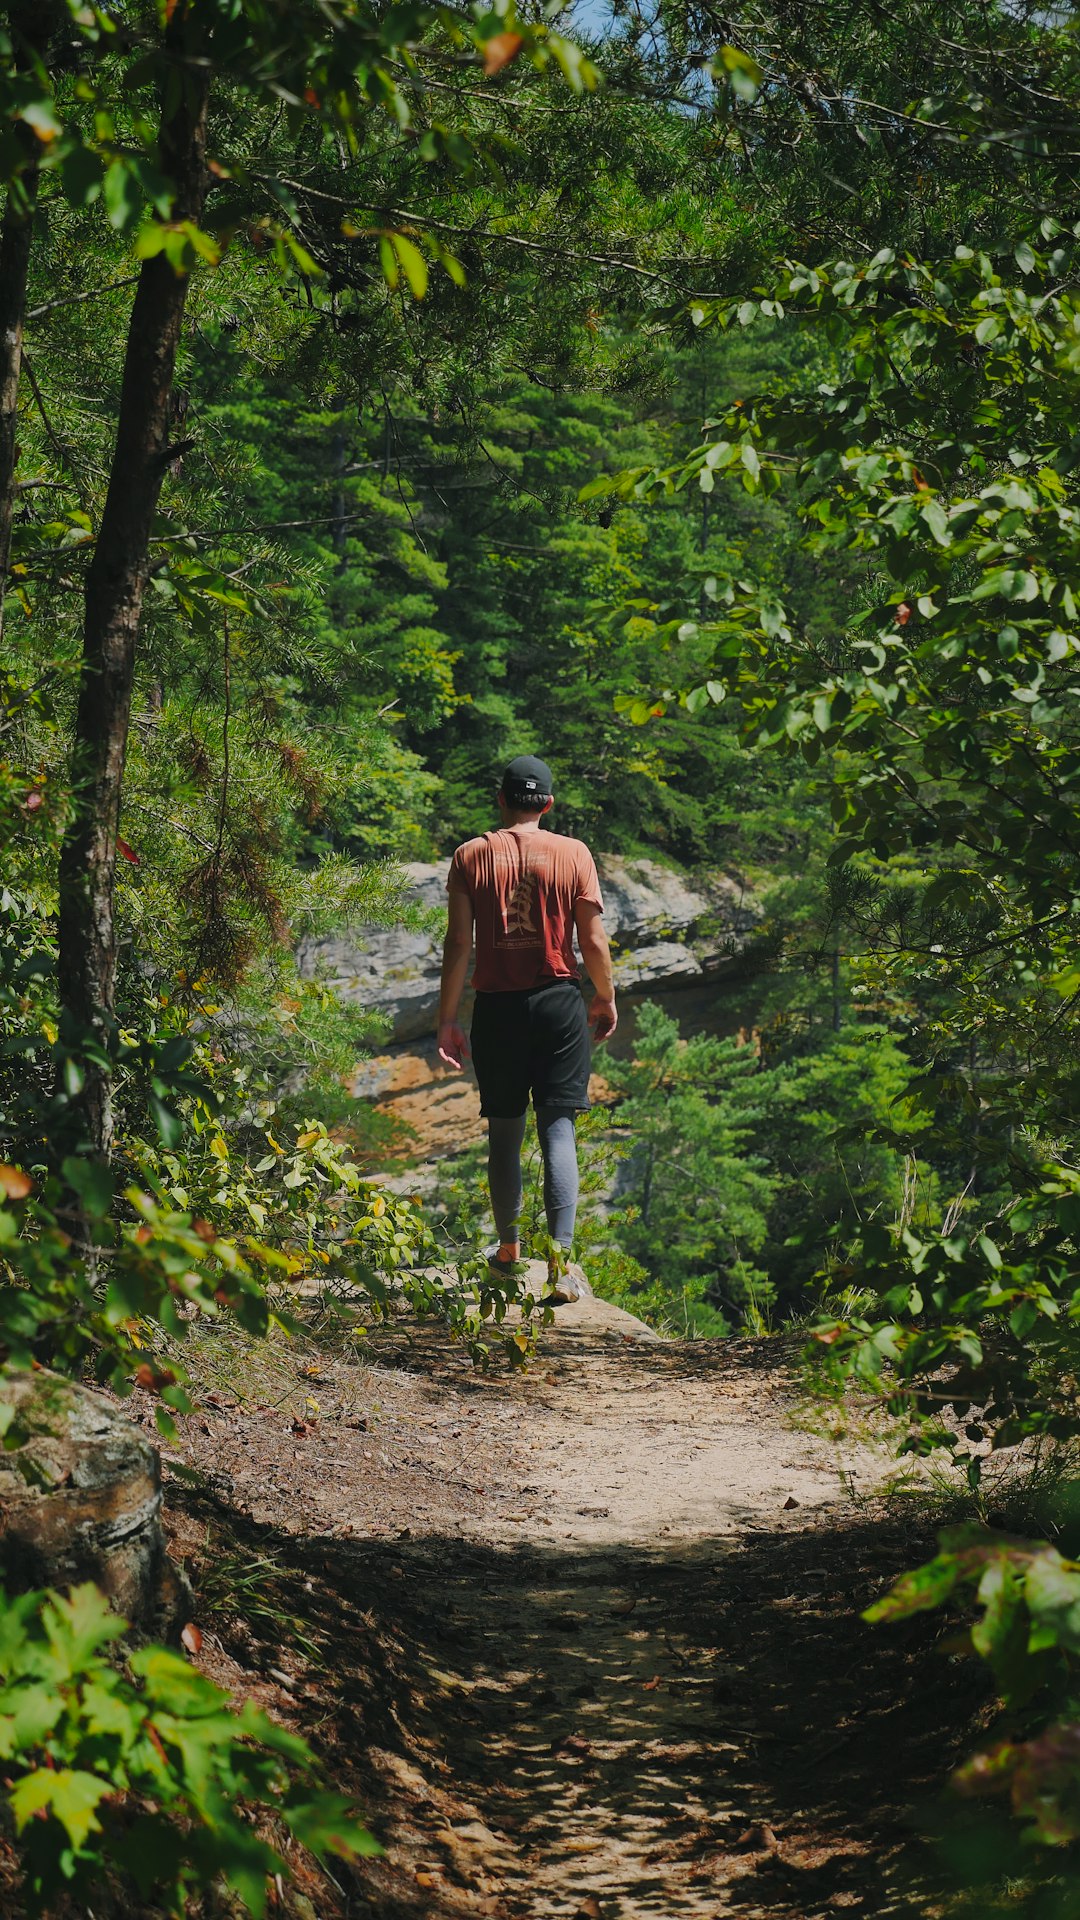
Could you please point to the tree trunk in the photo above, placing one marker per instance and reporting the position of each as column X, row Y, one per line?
column 80, row 1499
column 339, row 527
column 16, row 235
column 115, row 586
column 837, row 1012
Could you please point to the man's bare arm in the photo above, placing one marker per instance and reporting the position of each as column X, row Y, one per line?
column 596, row 954
column 457, row 953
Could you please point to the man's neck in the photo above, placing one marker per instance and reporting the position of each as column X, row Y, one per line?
column 522, row 822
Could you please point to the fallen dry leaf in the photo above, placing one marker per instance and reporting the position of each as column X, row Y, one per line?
column 500, row 50
column 624, row 1607
column 589, row 1908
column 760, row 1836
column 191, row 1637
column 152, row 1379
column 650, row 1686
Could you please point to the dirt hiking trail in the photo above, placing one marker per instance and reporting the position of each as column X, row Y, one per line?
column 588, row 1636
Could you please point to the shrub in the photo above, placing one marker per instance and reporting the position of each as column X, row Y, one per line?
column 142, row 1768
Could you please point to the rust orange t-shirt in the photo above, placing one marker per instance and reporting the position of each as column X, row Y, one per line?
column 524, row 888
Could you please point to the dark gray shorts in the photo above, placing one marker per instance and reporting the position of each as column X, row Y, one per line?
column 535, row 1042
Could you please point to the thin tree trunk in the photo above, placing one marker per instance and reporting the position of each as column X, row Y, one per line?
column 16, row 235
column 340, row 461
column 115, row 585
column 837, row 1020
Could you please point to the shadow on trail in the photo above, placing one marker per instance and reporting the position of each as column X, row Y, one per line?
column 618, row 1733
column 422, row 1347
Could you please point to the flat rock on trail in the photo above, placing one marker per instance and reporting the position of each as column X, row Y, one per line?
column 590, row 1636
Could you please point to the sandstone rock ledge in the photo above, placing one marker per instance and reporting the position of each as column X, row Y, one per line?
column 665, row 929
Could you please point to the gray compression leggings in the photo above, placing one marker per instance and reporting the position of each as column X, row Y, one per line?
column 558, row 1145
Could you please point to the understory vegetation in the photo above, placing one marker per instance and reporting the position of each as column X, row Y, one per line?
column 387, row 392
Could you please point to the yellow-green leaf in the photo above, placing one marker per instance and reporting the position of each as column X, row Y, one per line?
column 388, row 263
column 413, row 265
column 69, row 1796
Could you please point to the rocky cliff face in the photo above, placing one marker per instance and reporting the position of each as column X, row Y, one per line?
column 665, row 930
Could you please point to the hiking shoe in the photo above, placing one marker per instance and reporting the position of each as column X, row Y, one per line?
column 566, row 1286
column 506, row 1269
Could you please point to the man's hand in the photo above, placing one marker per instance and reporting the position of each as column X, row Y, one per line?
column 603, row 1018
column 596, row 954
column 453, row 1044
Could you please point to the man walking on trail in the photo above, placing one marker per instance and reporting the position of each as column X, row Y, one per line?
column 524, row 893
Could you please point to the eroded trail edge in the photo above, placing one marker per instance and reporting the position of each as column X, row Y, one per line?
column 587, row 1639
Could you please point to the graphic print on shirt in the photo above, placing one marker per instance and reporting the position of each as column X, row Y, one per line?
column 521, row 927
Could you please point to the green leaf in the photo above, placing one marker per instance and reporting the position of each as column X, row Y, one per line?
column 80, row 176
column 1022, row 1318
column 577, row 71
column 150, row 240
column 93, row 1183
column 388, row 263
column 740, row 70
column 935, row 517
column 1001, row 1636
column 169, row 1124
column 78, row 1623
column 1052, row 1591
column 452, row 265
column 35, row 1712
column 70, row 1796
column 1011, row 583
column 413, row 264
column 123, row 196
column 598, row 489
column 1024, row 257
column 919, row 1591
column 326, row 1823
column 173, row 1686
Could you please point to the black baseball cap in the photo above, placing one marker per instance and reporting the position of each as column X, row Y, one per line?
column 527, row 780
